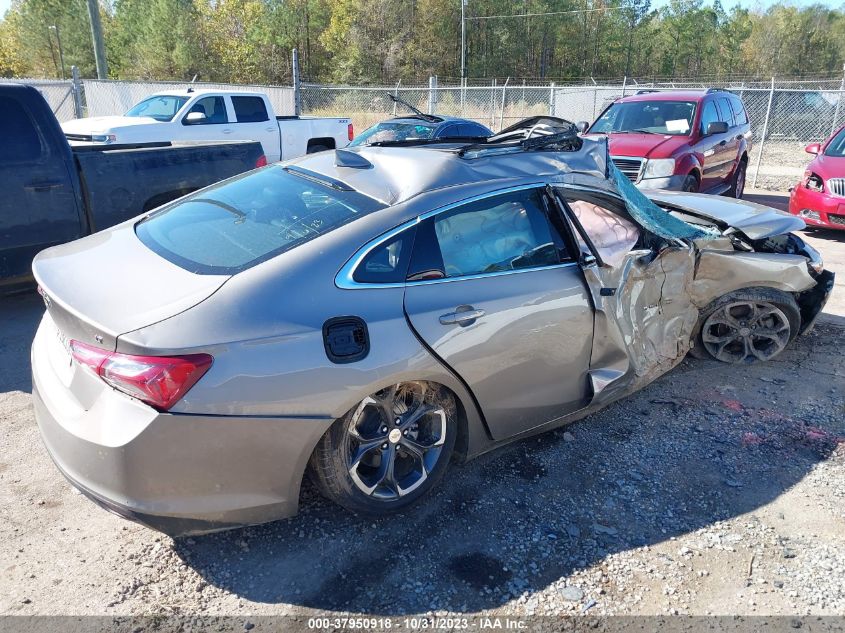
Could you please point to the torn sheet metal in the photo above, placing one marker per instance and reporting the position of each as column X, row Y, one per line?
column 644, row 328
column 720, row 272
column 755, row 221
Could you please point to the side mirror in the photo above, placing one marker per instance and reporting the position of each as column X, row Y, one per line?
column 195, row 118
column 582, row 126
column 813, row 148
column 717, row 127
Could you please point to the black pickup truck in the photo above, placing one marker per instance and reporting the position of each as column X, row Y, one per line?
column 55, row 193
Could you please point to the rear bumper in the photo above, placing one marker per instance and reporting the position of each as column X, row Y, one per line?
column 830, row 210
column 177, row 473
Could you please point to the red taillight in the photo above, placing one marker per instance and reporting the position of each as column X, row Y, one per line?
column 350, row 132
column 160, row 381
column 261, row 162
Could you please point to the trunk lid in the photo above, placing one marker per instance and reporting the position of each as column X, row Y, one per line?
column 755, row 221
column 109, row 283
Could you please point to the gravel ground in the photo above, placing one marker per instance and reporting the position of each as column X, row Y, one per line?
column 782, row 164
column 715, row 490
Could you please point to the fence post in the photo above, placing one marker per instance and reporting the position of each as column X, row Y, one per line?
column 432, row 94
column 838, row 101
column 502, row 111
column 76, row 91
column 765, row 131
column 396, row 94
column 297, row 88
column 492, row 104
column 552, row 99
column 624, row 84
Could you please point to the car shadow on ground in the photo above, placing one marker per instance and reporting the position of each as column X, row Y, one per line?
column 705, row 443
column 830, row 235
column 19, row 318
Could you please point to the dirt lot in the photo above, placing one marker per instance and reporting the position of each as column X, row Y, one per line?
column 716, row 490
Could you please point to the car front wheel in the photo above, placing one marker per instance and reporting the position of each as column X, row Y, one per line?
column 750, row 325
column 690, row 184
column 388, row 451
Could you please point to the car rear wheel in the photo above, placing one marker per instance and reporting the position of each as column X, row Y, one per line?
column 389, row 450
column 738, row 183
column 690, row 184
column 750, row 325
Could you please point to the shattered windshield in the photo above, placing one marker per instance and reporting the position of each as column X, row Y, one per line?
column 393, row 131
column 647, row 117
column 651, row 217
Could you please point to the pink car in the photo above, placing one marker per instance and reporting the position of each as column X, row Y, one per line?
column 819, row 199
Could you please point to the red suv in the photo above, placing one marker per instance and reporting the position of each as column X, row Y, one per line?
column 686, row 140
column 820, row 196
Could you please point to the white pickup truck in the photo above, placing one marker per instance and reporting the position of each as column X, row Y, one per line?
column 213, row 115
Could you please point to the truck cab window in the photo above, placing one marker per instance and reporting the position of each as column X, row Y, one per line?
column 250, row 109
column 21, row 141
column 214, row 109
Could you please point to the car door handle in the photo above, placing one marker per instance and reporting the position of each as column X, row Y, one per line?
column 227, row 131
column 270, row 129
column 43, row 186
column 461, row 317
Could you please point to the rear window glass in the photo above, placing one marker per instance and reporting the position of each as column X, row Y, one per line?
column 241, row 222
column 250, row 109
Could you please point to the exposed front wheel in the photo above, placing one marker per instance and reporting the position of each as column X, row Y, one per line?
column 749, row 325
column 388, row 451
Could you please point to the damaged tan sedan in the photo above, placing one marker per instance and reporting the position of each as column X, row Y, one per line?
column 367, row 315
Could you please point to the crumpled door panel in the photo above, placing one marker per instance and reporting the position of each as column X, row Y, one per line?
column 642, row 329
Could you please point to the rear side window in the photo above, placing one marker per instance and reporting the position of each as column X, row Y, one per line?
column 21, row 141
column 505, row 232
column 727, row 114
column 241, row 222
column 388, row 262
column 250, row 109
column 740, row 116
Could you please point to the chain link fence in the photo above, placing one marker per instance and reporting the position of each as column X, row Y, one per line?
column 785, row 115
column 108, row 97
column 63, row 96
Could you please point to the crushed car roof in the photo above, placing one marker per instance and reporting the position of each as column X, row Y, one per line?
column 399, row 173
